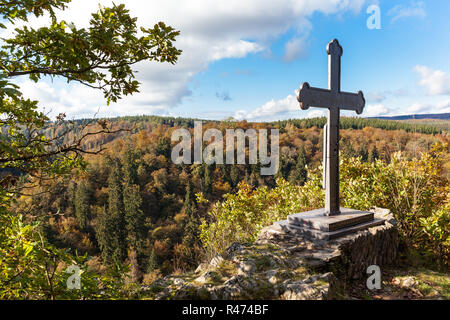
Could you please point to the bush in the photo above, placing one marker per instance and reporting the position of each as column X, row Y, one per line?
column 243, row 214
column 415, row 190
column 31, row 268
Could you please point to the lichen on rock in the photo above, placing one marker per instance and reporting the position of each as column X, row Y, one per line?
column 282, row 266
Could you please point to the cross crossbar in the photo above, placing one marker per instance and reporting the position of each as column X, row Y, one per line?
column 334, row 100
column 323, row 98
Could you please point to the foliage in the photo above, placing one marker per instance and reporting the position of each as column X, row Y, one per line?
column 359, row 123
column 243, row 214
column 415, row 190
column 31, row 268
column 437, row 231
column 157, row 197
column 99, row 57
column 82, row 205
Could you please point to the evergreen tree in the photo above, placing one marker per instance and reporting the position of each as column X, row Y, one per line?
column 115, row 222
column 82, row 205
column 285, row 167
column 129, row 166
column 373, row 154
column 152, row 262
column 256, row 174
column 72, row 191
column 191, row 239
column 363, row 152
column 347, row 149
column 299, row 174
column 222, row 170
column 132, row 203
column 189, row 203
column 163, row 147
column 134, row 216
column 207, row 183
column 135, row 271
column 279, row 173
column 252, row 180
column 104, row 236
column 234, row 175
column 246, row 177
column 191, row 231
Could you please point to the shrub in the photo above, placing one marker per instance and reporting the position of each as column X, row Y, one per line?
column 415, row 190
column 242, row 215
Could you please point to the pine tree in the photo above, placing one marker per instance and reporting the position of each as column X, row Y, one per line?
column 246, row 177
column 280, row 171
column 71, row 191
column 234, row 175
column 129, row 166
column 132, row 204
column 189, row 203
column 347, row 149
column 256, row 174
column 104, row 236
column 82, row 205
column 134, row 216
column 299, row 174
column 373, row 154
column 191, row 239
column 163, row 147
column 363, row 152
column 135, row 270
column 152, row 262
column 207, row 184
column 115, row 219
column 285, row 166
column 191, row 236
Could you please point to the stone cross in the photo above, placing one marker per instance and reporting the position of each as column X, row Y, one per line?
column 334, row 100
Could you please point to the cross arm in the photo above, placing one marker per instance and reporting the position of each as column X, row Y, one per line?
column 315, row 97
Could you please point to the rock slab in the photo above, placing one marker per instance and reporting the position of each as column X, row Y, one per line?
column 285, row 265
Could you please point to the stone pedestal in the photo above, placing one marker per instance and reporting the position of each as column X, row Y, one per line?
column 352, row 253
column 315, row 225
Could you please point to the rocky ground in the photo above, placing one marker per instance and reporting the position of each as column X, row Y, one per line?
column 282, row 266
column 410, row 283
column 253, row 271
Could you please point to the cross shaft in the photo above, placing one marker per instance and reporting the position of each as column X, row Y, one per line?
column 334, row 100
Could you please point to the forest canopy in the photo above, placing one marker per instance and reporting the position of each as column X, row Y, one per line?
column 103, row 196
column 100, row 57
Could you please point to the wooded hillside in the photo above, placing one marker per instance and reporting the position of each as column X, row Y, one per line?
column 133, row 205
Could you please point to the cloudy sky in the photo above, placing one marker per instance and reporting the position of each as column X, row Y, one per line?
column 245, row 59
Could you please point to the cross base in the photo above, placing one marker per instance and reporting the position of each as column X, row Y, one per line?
column 315, row 225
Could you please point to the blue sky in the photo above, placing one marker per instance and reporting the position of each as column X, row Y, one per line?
column 245, row 59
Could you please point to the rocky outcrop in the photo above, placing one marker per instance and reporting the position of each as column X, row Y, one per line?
column 283, row 266
column 248, row 271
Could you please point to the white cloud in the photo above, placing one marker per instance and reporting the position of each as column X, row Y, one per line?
column 417, row 107
column 429, row 107
column 443, row 106
column 289, row 108
column 295, row 49
column 373, row 110
column 279, row 109
column 316, row 113
column 436, row 82
column 234, row 49
column 376, row 97
column 210, row 31
column 417, row 9
column 271, row 110
column 66, row 100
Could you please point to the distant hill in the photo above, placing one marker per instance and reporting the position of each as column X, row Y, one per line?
column 440, row 116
